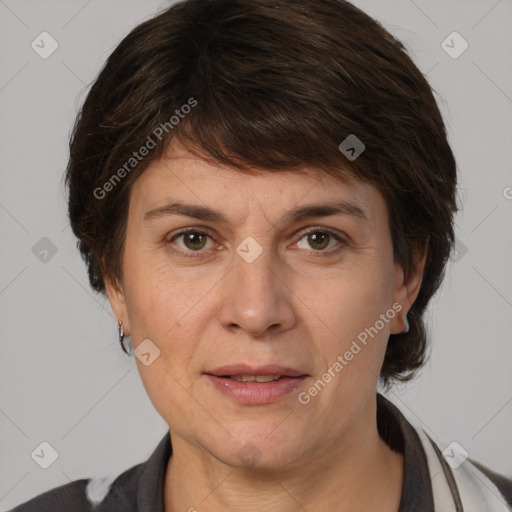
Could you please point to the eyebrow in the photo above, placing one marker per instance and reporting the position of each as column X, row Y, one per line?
column 206, row 213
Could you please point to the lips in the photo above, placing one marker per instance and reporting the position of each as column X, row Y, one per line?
column 255, row 385
column 264, row 373
column 254, row 392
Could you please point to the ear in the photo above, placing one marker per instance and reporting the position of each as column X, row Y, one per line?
column 407, row 287
column 117, row 299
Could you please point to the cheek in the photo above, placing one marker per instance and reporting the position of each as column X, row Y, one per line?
column 161, row 309
column 354, row 313
column 168, row 306
column 154, row 296
column 352, row 299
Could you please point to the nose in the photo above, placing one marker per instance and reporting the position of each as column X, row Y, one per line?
column 255, row 297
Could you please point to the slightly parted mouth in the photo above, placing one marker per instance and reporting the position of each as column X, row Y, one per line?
column 254, row 378
column 266, row 371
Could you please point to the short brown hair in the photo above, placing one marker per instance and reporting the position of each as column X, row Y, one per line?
column 277, row 84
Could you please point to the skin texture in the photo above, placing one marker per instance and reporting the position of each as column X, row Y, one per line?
column 295, row 305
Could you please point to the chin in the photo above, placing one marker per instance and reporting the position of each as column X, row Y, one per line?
column 260, row 447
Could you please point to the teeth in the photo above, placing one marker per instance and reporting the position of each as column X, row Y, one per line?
column 254, row 378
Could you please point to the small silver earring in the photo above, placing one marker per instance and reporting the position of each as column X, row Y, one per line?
column 124, row 342
column 406, row 321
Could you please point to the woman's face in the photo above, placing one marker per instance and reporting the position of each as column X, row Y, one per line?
column 259, row 280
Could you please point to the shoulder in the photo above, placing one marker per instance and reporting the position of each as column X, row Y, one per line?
column 140, row 485
column 503, row 483
column 88, row 495
column 471, row 482
column 467, row 481
column 65, row 497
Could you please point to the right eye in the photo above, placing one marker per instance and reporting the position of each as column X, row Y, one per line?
column 193, row 240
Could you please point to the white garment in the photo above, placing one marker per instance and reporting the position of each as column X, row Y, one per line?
column 469, row 491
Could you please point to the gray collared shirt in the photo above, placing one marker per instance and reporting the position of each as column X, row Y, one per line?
column 141, row 488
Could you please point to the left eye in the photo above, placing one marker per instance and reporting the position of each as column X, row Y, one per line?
column 195, row 241
column 319, row 240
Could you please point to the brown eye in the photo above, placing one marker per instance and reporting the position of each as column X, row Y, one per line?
column 319, row 240
column 192, row 240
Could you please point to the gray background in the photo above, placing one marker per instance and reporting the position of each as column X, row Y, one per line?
column 63, row 377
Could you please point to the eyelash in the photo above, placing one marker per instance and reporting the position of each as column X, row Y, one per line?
column 195, row 254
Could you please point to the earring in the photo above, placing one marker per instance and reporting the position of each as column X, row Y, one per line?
column 406, row 321
column 123, row 341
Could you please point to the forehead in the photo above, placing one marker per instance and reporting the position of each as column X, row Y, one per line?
column 181, row 176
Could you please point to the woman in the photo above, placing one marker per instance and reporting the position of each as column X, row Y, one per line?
column 264, row 191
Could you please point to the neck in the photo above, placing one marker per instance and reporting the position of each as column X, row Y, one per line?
column 336, row 477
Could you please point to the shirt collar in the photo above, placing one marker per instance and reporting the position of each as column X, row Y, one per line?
column 150, row 487
column 401, row 436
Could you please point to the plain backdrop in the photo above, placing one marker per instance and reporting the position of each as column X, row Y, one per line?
column 63, row 377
